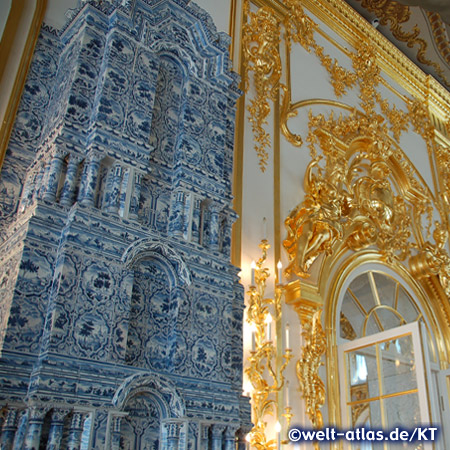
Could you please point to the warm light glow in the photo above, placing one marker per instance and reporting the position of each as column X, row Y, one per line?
column 268, row 318
column 253, row 265
column 280, row 271
column 247, row 388
column 287, row 343
column 248, row 437
column 278, row 427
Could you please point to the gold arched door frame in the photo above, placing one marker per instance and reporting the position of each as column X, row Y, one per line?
column 343, row 269
column 364, row 203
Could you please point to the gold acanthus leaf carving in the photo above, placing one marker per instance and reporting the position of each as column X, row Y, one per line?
column 347, row 331
column 300, row 28
column 307, row 368
column 433, row 259
column 443, row 163
column 398, row 119
column 396, row 14
column 261, row 40
column 349, row 200
column 368, row 74
column 420, row 119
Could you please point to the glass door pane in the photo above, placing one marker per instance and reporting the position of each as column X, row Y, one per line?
column 383, row 383
column 398, row 368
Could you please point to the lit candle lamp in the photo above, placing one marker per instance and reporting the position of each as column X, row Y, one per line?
column 287, row 336
column 280, row 272
column 278, row 431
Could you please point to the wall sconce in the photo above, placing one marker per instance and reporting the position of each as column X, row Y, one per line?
column 266, row 368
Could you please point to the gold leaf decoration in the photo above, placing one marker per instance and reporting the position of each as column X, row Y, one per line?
column 261, row 40
column 395, row 14
column 350, row 201
column 299, row 27
column 311, row 386
column 398, row 119
column 368, row 74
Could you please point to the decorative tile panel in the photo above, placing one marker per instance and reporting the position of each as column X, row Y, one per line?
column 118, row 296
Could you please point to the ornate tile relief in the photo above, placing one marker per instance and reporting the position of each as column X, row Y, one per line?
column 116, row 220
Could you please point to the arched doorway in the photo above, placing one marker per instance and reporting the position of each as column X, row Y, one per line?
column 388, row 357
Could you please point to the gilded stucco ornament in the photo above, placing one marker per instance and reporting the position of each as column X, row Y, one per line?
column 261, row 40
column 350, row 200
column 300, row 29
column 261, row 51
column 307, row 368
column 395, row 15
column 443, row 162
column 433, row 259
column 266, row 367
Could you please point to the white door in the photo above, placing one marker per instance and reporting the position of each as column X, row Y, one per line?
column 383, row 385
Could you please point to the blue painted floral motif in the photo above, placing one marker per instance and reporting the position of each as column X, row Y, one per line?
column 115, row 222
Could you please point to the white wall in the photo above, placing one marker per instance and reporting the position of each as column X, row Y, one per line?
column 5, row 6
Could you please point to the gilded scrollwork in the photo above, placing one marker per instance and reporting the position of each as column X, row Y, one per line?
column 315, row 224
column 394, row 14
column 299, row 27
column 261, row 41
column 261, row 50
column 399, row 120
column 433, row 259
column 443, row 162
column 350, row 200
column 311, row 386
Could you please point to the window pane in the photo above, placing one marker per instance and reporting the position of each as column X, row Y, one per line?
column 360, row 287
column 362, row 370
column 388, row 318
column 398, row 365
column 402, row 411
column 406, row 307
column 386, row 288
column 367, row 415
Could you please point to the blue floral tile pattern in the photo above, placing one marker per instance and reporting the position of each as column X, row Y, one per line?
column 120, row 312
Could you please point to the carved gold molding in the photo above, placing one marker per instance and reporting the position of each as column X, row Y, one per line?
column 308, row 305
column 261, row 49
column 361, row 191
column 261, row 41
column 311, row 385
column 396, row 14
